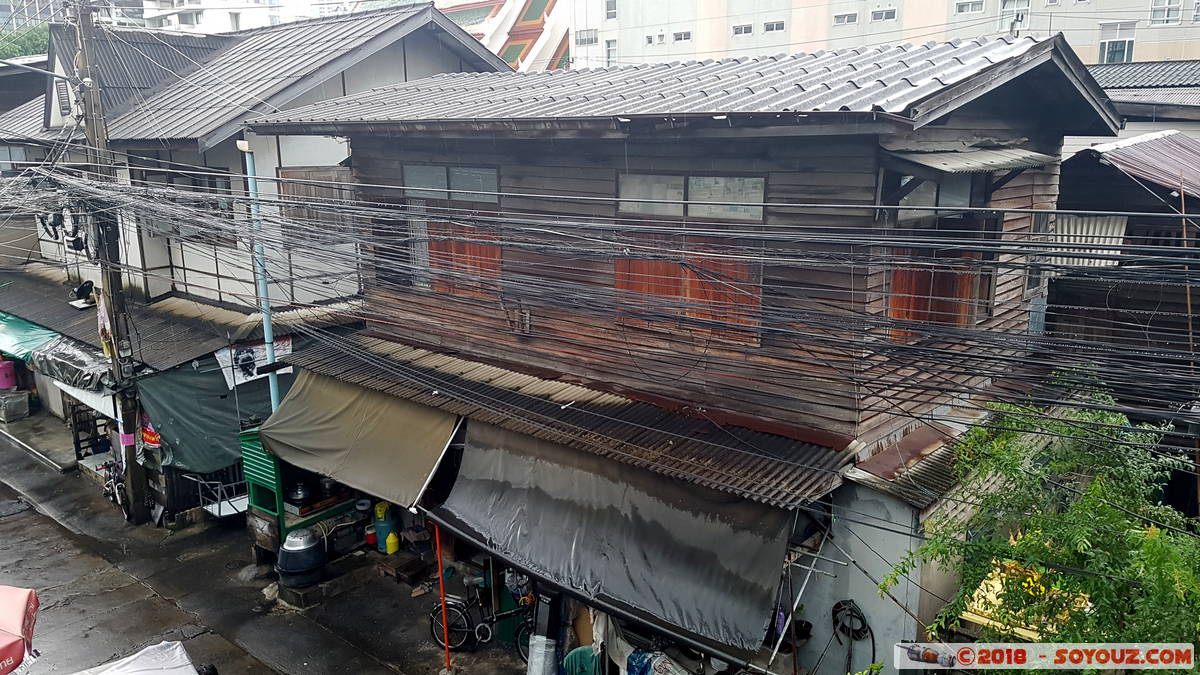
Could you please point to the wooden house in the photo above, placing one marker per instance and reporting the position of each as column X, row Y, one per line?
column 739, row 276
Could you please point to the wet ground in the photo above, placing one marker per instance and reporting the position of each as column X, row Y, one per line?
column 108, row 588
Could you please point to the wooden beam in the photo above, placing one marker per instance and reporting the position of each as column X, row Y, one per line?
column 904, row 191
column 1004, row 180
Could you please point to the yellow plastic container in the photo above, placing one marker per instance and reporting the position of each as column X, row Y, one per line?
column 393, row 543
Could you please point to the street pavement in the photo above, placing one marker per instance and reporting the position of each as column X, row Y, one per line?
column 109, row 588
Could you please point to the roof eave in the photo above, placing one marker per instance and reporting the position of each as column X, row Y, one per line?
column 1158, row 111
column 784, row 124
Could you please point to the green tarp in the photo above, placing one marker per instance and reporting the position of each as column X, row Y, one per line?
column 197, row 415
column 19, row 338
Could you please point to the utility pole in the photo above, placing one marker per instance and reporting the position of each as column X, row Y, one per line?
column 260, row 269
column 113, row 315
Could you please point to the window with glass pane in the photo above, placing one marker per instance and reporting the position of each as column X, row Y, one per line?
column 883, row 15
column 1164, row 12
column 845, row 19
column 651, row 186
column 1014, row 12
column 422, row 180
column 587, row 37
column 725, row 189
column 773, row 26
column 610, row 9
column 476, row 183
column 610, row 52
column 971, row 7
column 1116, row 42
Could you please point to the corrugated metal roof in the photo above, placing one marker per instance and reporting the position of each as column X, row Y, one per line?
column 889, row 79
column 166, row 333
column 261, row 64
column 1157, row 95
column 1148, row 74
column 760, row 467
column 24, row 122
column 922, row 484
column 999, row 159
column 1167, row 158
column 33, row 60
column 131, row 63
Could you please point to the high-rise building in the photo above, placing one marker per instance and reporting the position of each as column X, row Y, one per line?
column 611, row 32
column 209, row 16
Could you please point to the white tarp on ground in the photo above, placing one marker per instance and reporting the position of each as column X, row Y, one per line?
column 164, row 658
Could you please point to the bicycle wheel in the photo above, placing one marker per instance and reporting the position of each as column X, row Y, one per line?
column 524, row 632
column 458, row 627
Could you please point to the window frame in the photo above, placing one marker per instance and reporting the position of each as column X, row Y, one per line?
column 742, row 326
column 335, row 224
column 1018, row 12
column 852, row 19
column 610, row 53
column 610, row 9
column 1117, row 28
column 587, row 37
column 687, row 36
column 1166, row 6
column 774, row 26
column 884, row 10
column 959, row 3
column 743, row 29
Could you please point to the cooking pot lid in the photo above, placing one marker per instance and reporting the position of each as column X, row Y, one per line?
column 300, row 540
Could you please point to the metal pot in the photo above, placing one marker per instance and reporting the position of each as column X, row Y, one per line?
column 300, row 560
column 298, row 493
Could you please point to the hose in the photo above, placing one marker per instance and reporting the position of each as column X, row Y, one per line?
column 849, row 620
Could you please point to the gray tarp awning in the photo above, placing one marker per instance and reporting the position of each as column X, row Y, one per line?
column 380, row 444
column 701, row 563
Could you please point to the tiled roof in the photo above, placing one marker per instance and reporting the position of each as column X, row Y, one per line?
column 889, row 79
column 1148, row 74
column 761, row 467
column 1157, row 95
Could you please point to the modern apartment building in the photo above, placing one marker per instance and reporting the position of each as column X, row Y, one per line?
column 19, row 15
column 612, row 32
column 210, row 16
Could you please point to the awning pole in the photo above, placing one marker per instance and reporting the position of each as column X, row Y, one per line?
column 260, row 270
column 437, row 541
column 796, row 602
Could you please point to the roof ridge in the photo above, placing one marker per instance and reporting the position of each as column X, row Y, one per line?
column 409, row 8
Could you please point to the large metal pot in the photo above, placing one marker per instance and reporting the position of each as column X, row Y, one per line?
column 300, row 560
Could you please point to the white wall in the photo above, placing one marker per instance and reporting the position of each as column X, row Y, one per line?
column 889, row 622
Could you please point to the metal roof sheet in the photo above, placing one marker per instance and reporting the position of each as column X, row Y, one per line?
column 1167, row 158
column 1159, row 95
column 890, row 79
column 760, row 467
column 24, row 123
column 1185, row 73
column 998, row 159
column 254, row 72
column 166, row 333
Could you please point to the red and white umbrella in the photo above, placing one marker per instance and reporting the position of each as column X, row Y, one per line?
column 18, row 611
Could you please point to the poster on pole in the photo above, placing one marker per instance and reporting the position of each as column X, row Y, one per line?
column 240, row 363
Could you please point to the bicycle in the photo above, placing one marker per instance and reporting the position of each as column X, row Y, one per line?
column 114, row 487
column 464, row 631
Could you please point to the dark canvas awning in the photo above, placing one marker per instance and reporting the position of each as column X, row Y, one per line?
column 697, row 562
column 380, row 444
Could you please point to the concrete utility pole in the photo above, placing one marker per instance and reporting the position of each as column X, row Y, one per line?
column 114, row 318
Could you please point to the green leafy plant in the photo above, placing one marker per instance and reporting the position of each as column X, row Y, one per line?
column 26, row 42
column 1070, row 538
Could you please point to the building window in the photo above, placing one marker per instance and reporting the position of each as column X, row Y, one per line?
column 322, row 191
column 743, row 29
column 949, row 284
column 1053, row 3
column 1196, row 14
column 589, row 36
column 1116, row 42
column 235, row 21
column 845, row 19
column 461, row 260
column 610, row 9
column 883, row 15
column 970, row 7
column 649, row 39
column 1165, row 12
column 1014, row 13
column 773, row 26
column 669, row 277
column 662, row 38
column 683, row 36
column 610, row 52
